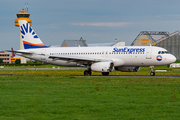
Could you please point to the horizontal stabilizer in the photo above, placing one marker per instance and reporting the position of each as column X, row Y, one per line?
column 20, row 51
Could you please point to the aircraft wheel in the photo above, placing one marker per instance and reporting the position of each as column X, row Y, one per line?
column 152, row 74
column 105, row 73
column 87, row 73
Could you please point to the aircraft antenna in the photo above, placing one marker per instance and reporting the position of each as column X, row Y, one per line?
column 27, row 7
column 115, row 41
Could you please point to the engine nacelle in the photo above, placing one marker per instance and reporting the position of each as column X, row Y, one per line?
column 127, row 69
column 102, row 66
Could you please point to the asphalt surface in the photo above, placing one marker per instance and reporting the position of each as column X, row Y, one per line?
column 131, row 76
column 156, row 76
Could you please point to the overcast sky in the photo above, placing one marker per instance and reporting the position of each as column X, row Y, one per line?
column 97, row 21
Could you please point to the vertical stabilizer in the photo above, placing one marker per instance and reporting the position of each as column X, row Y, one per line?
column 29, row 37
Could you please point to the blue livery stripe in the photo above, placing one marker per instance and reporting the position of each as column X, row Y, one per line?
column 27, row 46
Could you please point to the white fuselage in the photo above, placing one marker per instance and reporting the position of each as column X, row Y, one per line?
column 120, row 56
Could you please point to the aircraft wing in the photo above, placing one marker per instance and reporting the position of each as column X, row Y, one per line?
column 76, row 59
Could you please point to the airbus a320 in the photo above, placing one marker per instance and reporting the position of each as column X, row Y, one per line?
column 98, row 59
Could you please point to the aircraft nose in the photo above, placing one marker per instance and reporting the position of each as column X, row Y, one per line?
column 172, row 59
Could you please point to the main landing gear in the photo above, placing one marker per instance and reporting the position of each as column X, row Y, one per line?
column 87, row 73
column 152, row 71
column 105, row 73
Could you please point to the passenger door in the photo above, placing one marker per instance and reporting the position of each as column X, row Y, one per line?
column 149, row 53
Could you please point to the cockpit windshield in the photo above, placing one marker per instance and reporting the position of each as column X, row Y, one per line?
column 163, row 52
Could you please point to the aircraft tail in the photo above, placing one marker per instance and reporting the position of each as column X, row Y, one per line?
column 29, row 37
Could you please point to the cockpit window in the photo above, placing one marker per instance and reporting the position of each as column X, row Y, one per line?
column 166, row 52
column 163, row 52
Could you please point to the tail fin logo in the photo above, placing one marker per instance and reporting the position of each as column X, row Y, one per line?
column 27, row 29
column 29, row 38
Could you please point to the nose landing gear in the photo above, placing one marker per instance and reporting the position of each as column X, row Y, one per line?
column 152, row 71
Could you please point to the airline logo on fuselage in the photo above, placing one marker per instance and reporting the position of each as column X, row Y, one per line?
column 27, row 29
column 159, row 58
column 130, row 50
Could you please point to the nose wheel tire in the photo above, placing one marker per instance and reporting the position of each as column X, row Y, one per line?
column 152, row 73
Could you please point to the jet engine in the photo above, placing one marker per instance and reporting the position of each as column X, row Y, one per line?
column 127, row 69
column 102, row 66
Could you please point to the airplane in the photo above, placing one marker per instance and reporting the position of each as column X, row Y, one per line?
column 98, row 59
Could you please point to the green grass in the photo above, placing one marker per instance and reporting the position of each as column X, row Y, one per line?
column 56, row 94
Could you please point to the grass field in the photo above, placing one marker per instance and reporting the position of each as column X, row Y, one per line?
column 56, row 94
